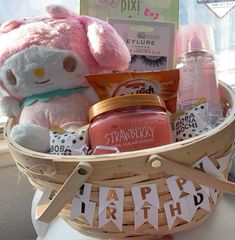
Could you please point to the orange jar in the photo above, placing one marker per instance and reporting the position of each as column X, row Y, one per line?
column 129, row 123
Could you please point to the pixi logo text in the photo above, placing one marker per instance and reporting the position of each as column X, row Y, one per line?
column 130, row 5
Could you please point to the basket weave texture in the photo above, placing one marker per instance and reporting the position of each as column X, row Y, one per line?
column 129, row 169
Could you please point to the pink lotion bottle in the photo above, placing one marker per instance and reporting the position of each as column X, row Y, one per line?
column 196, row 62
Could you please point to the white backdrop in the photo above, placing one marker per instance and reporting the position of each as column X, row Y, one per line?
column 29, row 8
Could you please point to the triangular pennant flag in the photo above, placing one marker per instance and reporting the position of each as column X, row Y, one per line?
column 111, row 206
column 145, row 194
column 199, row 200
column 207, row 165
column 81, row 204
column 80, row 208
column 148, row 214
column 224, row 162
column 211, row 193
column 221, row 8
column 178, row 185
column 176, row 209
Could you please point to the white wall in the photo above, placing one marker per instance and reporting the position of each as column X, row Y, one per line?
column 15, row 9
column 15, row 206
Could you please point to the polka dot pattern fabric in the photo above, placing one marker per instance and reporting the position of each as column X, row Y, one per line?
column 69, row 143
column 192, row 123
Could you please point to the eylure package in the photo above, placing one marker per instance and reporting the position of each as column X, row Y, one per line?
column 154, row 10
column 151, row 44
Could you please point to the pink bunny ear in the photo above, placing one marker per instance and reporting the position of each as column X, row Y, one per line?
column 106, row 46
column 10, row 25
column 58, row 12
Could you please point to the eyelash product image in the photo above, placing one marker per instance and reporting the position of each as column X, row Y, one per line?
column 145, row 63
column 151, row 44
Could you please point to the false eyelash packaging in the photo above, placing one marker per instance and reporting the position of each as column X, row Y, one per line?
column 151, row 44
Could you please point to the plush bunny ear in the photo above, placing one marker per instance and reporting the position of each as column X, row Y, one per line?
column 106, row 46
column 10, row 25
column 58, row 12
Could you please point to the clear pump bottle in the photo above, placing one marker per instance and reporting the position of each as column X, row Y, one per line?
column 198, row 81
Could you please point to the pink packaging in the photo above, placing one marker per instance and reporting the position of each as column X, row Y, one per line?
column 198, row 94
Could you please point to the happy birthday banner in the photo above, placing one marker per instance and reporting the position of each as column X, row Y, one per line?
column 146, row 199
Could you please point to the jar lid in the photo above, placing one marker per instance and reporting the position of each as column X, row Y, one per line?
column 130, row 100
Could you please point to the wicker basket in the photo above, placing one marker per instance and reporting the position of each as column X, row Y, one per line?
column 66, row 174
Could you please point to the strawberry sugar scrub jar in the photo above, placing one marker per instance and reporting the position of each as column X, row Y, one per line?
column 129, row 123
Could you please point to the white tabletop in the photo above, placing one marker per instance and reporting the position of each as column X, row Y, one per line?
column 220, row 226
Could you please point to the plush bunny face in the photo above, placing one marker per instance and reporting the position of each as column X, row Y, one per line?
column 38, row 69
column 55, row 51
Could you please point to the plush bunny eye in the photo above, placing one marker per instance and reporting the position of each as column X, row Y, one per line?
column 70, row 64
column 11, row 77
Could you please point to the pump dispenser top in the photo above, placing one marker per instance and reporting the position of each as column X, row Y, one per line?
column 193, row 38
column 195, row 43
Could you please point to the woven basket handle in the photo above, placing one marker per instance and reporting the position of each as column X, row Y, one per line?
column 47, row 212
column 173, row 168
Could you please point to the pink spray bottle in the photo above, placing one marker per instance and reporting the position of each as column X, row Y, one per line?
column 198, row 93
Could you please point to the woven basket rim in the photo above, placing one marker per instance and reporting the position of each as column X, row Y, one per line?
column 128, row 169
column 123, row 155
